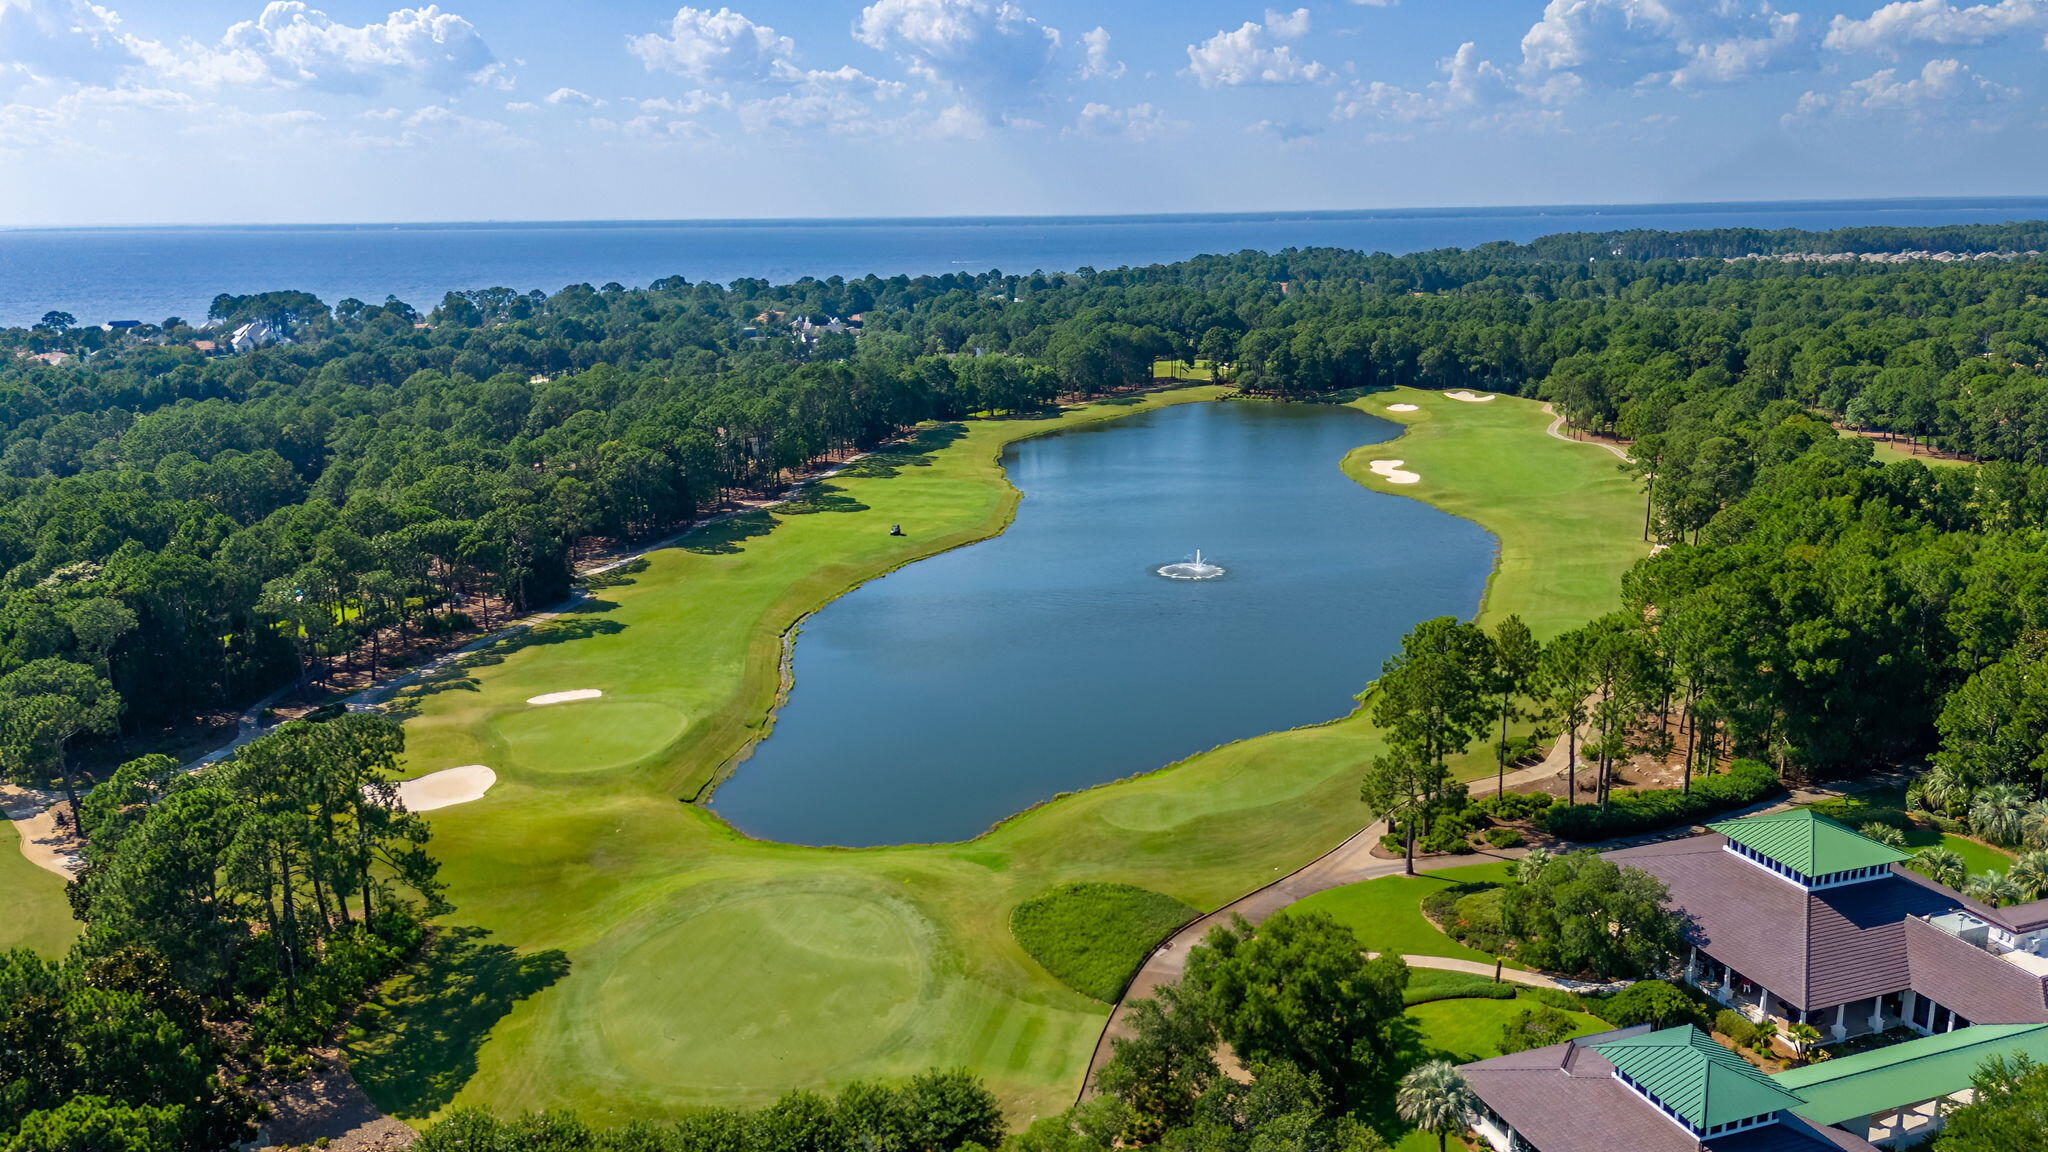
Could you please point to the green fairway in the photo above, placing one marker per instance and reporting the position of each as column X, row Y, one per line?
column 34, row 912
column 1387, row 913
column 706, row 968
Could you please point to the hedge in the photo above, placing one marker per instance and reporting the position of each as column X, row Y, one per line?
column 1745, row 783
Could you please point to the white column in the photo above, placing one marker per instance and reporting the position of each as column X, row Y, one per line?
column 1841, row 1029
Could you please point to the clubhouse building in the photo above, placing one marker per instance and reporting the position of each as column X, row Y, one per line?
column 1792, row 918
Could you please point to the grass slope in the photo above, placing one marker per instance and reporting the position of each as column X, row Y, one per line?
column 34, row 912
column 1386, row 913
column 1094, row 936
column 700, row 967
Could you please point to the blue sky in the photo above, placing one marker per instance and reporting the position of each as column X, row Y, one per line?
column 235, row 110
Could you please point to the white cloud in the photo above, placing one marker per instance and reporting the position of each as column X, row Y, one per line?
column 1287, row 25
column 1249, row 55
column 1138, row 122
column 1939, row 22
column 722, row 46
column 60, row 40
column 842, row 100
column 1940, row 88
column 1681, row 42
column 1292, row 131
column 1100, row 64
column 292, row 45
column 572, row 96
column 991, row 54
column 1370, row 4
column 1470, row 85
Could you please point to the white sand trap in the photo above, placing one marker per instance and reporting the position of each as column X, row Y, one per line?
column 1468, row 397
column 1392, row 471
column 446, row 788
column 565, row 697
column 1404, row 408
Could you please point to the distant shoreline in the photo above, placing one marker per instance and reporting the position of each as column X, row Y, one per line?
column 1410, row 212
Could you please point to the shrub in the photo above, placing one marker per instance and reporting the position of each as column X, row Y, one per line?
column 1461, row 986
column 1517, row 805
column 1735, row 1026
column 1535, row 1028
column 1505, row 837
column 1092, row 937
column 1654, row 1002
column 1516, row 749
column 1745, row 783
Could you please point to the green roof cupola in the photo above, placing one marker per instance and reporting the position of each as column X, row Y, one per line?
column 1808, row 849
column 1695, row 1081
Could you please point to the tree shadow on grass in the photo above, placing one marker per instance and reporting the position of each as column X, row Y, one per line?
column 459, row 675
column 415, row 1047
column 913, row 451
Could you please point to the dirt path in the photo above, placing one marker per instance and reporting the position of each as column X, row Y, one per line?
column 1556, row 431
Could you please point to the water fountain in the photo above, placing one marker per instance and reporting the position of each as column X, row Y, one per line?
column 1196, row 569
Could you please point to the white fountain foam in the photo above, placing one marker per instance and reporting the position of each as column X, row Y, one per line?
column 1196, row 569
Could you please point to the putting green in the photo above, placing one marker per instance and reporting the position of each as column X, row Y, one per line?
column 705, row 968
column 587, row 735
column 850, row 965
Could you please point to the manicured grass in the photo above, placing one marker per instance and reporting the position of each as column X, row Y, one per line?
column 1387, row 913
column 1176, row 370
column 34, row 912
column 1094, row 936
column 1462, row 1031
column 1889, row 806
column 1465, row 1030
column 705, row 968
column 1887, row 451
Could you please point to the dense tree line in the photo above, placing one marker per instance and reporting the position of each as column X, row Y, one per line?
column 232, row 916
column 293, row 510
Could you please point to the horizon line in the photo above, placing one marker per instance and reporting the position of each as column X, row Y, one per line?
column 1619, row 207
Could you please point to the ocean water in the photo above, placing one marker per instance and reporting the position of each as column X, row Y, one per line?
column 101, row 274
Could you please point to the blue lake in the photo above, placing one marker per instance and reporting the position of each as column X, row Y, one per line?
column 939, row 699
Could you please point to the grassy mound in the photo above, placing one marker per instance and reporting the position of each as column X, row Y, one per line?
column 1094, row 936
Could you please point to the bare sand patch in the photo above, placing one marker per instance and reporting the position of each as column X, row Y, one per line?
column 45, row 843
column 1404, row 407
column 565, row 697
column 1468, row 397
column 446, row 788
column 1393, row 473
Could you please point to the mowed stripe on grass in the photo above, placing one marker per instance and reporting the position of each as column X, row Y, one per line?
column 671, row 920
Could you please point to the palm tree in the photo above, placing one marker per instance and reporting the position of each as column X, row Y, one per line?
column 1941, row 865
column 2029, row 874
column 1435, row 1098
column 1884, row 834
column 1939, row 790
column 1993, row 888
column 2034, row 825
column 1997, row 811
column 1803, row 1037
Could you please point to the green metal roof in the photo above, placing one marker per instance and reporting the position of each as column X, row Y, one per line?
column 1901, row 1074
column 1807, row 842
column 1693, row 1076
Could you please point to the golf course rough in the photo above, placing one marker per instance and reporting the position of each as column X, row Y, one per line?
column 705, row 968
column 1093, row 937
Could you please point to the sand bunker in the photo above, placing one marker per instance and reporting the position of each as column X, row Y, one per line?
column 1403, row 408
column 446, row 788
column 565, row 697
column 1468, row 397
column 1392, row 471
column 34, row 815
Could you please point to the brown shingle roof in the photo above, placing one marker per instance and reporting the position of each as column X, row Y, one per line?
column 1564, row 1098
column 1815, row 949
column 1966, row 979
